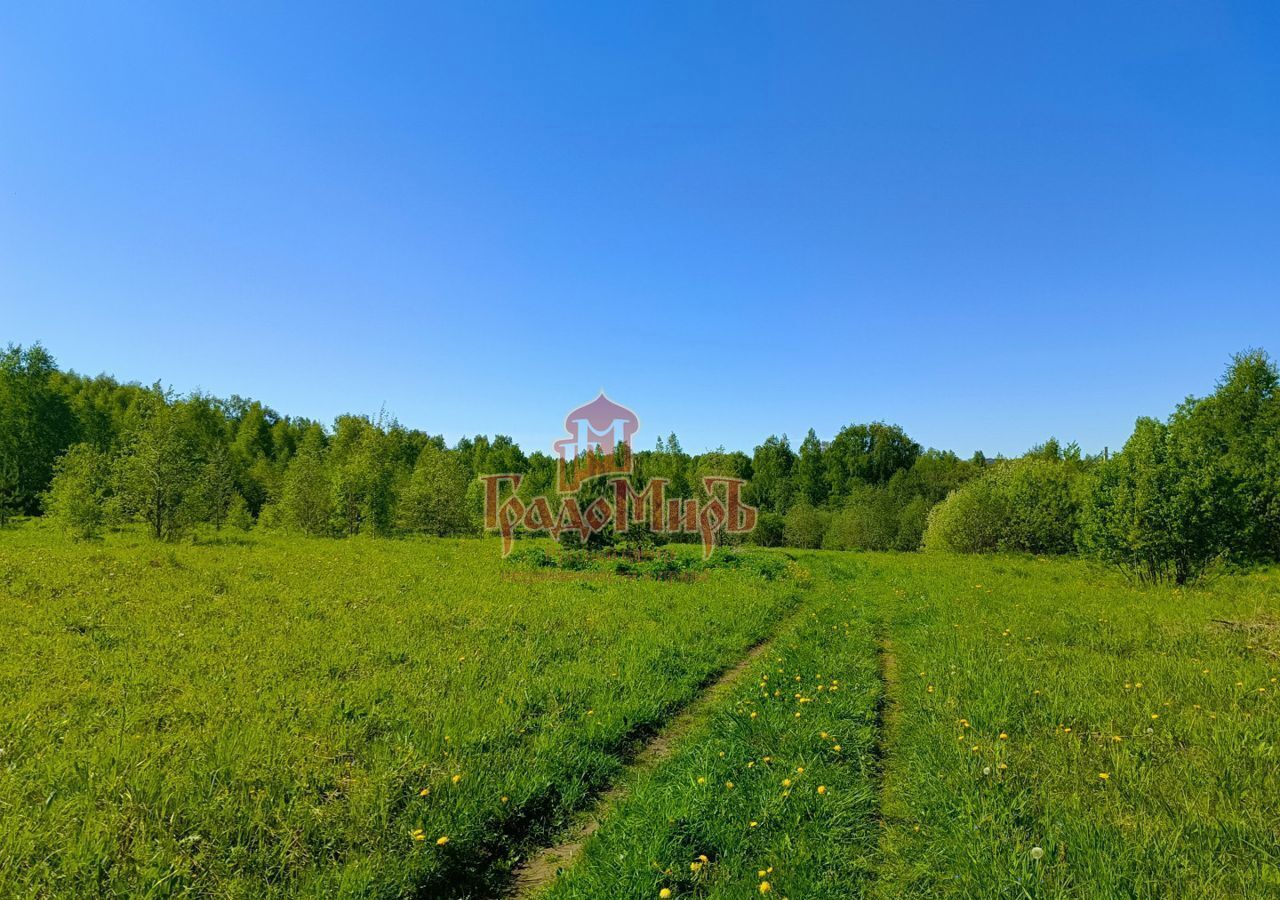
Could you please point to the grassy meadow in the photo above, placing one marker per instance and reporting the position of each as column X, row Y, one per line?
column 263, row 715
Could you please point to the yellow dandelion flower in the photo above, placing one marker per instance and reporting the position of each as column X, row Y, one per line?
column 664, row 893
column 786, row 782
column 457, row 778
column 424, row 792
column 728, row 785
column 442, row 840
column 765, row 887
column 1105, row 776
column 822, row 789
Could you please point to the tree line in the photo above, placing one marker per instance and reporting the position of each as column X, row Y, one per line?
column 1183, row 494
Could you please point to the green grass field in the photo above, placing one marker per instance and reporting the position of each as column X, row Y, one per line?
column 263, row 715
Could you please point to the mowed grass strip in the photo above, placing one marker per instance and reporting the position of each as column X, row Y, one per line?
column 775, row 791
column 1060, row 733
column 273, row 716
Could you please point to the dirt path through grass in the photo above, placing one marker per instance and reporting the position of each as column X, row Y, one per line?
column 886, row 726
column 541, row 867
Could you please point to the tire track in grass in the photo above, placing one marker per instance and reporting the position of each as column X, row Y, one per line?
column 543, row 866
column 764, row 793
column 886, row 716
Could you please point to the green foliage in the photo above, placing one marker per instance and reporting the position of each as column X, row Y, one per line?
column 361, row 473
column 866, row 454
column 76, row 500
column 811, row 474
column 238, row 514
column 157, row 474
column 1164, row 507
column 306, row 500
column 434, row 502
column 772, row 487
column 36, row 426
column 1029, row 504
column 805, row 526
column 770, row 530
column 1199, row 489
column 970, row 520
column 867, row 521
column 215, row 488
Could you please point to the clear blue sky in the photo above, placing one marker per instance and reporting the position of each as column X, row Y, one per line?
column 989, row 225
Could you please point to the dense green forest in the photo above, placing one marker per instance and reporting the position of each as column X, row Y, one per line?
column 1184, row 494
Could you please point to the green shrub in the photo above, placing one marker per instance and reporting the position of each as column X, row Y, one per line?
column 76, row 498
column 1029, row 504
column 770, row 530
column 970, row 520
column 1164, row 508
column 805, row 527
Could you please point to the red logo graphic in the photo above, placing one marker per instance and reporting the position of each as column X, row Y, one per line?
column 599, row 442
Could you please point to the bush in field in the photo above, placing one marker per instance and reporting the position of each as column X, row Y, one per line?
column 1029, row 504
column 239, row 515
column 361, row 476
column 306, row 501
column 805, row 526
column 970, row 520
column 1041, row 504
column 868, row 521
column 1163, row 508
column 1201, row 488
column 770, row 529
column 76, row 498
column 435, row 500
column 912, row 520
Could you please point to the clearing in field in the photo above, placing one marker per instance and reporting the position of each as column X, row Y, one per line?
column 270, row 716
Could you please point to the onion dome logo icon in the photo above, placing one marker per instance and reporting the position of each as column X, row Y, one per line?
column 599, row 435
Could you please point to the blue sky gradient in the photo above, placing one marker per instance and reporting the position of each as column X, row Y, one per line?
column 989, row 225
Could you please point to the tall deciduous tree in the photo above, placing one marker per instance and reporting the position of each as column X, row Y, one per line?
column 435, row 499
column 306, row 501
column 811, row 474
column 36, row 426
column 159, row 467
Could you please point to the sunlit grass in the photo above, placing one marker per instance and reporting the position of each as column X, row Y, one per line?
column 775, row 792
column 275, row 715
column 1059, row 733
